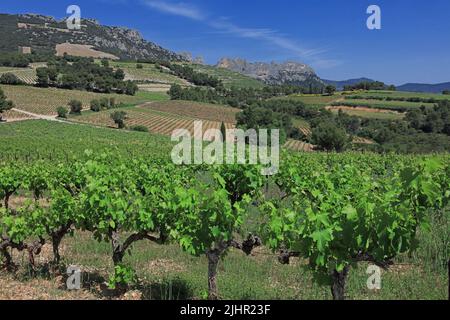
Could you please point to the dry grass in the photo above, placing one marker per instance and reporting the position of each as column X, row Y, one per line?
column 81, row 50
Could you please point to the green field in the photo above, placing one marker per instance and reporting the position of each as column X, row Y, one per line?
column 149, row 73
column 401, row 106
column 313, row 100
column 39, row 138
column 370, row 114
column 228, row 77
column 399, row 94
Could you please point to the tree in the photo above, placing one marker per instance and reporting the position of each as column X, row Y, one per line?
column 119, row 74
column 329, row 137
column 119, row 118
column 42, row 77
column 105, row 63
column 5, row 105
column 62, row 112
column 445, row 92
column 131, row 88
column 330, row 90
column 223, row 130
column 10, row 78
column 75, row 106
column 95, row 105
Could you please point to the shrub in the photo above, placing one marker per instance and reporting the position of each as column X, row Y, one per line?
column 95, row 106
column 75, row 106
column 329, row 137
column 139, row 66
column 104, row 103
column 62, row 112
column 139, row 128
column 10, row 78
column 119, row 118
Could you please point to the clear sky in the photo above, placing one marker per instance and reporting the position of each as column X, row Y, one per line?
column 330, row 35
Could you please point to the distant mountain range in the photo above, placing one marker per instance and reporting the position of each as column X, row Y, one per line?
column 340, row 84
column 274, row 73
column 411, row 87
column 424, row 87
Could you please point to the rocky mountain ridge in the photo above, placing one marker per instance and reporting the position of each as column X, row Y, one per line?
column 274, row 73
column 43, row 33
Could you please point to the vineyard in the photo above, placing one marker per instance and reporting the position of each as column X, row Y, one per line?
column 401, row 106
column 45, row 101
column 156, row 121
column 196, row 110
column 176, row 232
column 297, row 145
column 27, row 75
column 148, row 73
column 371, row 113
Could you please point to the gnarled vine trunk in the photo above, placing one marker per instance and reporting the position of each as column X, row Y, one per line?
column 57, row 237
column 338, row 285
column 213, row 262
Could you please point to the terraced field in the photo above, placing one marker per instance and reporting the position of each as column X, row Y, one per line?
column 149, row 73
column 399, row 95
column 313, row 100
column 296, row 145
column 195, row 110
column 369, row 113
column 27, row 75
column 156, row 121
column 389, row 105
column 45, row 101
column 228, row 77
column 302, row 125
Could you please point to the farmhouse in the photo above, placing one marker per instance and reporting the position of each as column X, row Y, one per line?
column 25, row 50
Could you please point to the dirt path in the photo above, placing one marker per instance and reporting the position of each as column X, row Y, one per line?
column 38, row 116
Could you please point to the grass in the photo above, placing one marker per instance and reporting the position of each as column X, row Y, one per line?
column 166, row 272
column 45, row 101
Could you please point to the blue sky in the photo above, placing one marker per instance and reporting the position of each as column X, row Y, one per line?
column 330, row 35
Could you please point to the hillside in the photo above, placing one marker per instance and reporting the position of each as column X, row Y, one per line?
column 290, row 73
column 43, row 33
column 341, row 83
column 424, row 87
